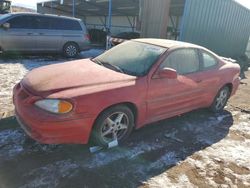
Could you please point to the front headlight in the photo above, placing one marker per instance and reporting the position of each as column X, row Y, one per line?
column 54, row 105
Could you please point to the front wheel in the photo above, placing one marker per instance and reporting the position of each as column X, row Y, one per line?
column 221, row 99
column 116, row 123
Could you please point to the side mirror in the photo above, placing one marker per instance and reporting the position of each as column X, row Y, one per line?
column 168, row 73
column 6, row 25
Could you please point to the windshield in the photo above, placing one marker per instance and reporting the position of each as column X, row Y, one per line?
column 2, row 17
column 133, row 58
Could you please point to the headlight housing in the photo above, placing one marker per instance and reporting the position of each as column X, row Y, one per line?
column 55, row 105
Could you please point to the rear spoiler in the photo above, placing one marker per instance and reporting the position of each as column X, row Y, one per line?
column 228, row 59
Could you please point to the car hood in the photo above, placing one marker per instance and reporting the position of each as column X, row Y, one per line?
column 76, row 77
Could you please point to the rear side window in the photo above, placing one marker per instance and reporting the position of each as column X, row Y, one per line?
column 184, row 61
column 208, row 60
column 43, row 22
column 65, row 24
column 22, row 22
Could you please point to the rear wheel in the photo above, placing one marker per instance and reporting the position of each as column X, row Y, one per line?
column 221, row 99
column 70, row 49
column 115, row 123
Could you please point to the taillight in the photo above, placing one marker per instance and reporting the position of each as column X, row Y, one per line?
column 87, row 36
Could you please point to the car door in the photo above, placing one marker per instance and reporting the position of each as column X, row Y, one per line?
column 50, row 35
column 209, row 76
column 21, row 34
column 170, row 97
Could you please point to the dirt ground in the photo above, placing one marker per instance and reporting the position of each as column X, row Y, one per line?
column 197, row 149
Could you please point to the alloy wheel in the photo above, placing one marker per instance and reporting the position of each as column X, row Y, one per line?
column 71, row 50
column 115, row 127
column 221, row 99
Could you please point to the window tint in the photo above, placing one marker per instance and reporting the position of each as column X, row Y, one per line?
column 22, row 22
column 184, row 61
column 208, row 60
column 65, row 24
column 43, row 22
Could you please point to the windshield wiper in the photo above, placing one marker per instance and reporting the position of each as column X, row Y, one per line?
column 97, row 61
column 114, row 66
column 106, row 64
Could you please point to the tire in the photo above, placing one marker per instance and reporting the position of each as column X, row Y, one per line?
column 115, row 122
column 70, row 50
column 220, row 99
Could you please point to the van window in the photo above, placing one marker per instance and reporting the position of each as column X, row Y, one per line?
column 65, row 24
column 22, row 22
column 42, row 22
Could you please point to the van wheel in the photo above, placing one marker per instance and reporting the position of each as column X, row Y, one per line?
column 115, row 123
column 70, row 49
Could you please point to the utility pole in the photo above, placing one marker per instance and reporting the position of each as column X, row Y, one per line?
column 73, row 7
column 108, row 42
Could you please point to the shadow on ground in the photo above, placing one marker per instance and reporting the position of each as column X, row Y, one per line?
column 149, row 152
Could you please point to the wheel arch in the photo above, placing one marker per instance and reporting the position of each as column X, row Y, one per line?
column 230, row 86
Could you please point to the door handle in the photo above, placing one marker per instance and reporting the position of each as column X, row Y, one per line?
column 41, row 33
column 198, row 81
column 30, row 33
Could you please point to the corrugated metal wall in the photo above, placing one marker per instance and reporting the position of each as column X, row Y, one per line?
column 220, row 25
column 154, row 16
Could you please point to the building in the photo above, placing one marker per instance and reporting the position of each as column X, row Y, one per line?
column 220, row 25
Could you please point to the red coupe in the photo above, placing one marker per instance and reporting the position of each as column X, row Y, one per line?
column 133, row 84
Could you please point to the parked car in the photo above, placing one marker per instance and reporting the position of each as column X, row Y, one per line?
column 30, row 32
column 106, row 97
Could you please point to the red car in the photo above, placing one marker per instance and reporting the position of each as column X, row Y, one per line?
column 133, row 84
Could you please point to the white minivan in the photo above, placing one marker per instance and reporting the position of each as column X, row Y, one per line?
column 33, row 33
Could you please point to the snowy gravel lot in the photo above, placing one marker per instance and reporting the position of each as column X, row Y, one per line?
column 198, row 149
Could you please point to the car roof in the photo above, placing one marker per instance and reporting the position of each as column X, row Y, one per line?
column 46, row 15
column 167, row 43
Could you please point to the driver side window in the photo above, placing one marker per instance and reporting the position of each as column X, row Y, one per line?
column 184, row 61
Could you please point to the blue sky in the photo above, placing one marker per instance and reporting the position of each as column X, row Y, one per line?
column 32, row 3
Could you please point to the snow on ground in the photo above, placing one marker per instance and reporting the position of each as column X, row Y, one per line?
column 226, row 163
column 11, row 142
column 49, row 175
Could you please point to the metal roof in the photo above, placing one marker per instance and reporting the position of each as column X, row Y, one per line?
column 95, row 7
column 100, row 7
